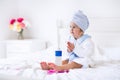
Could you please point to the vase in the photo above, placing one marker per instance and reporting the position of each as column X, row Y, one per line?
column 20, row 35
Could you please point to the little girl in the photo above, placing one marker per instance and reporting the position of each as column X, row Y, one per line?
column 79, row 46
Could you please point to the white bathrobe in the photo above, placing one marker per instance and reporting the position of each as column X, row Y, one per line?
column 84, row 48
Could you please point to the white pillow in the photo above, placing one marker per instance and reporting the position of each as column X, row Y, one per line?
column 98, row 58
column 112, row 53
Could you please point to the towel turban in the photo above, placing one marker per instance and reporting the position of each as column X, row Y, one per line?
column 80, row 20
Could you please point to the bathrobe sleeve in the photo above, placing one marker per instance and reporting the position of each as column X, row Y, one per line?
column 84, row 51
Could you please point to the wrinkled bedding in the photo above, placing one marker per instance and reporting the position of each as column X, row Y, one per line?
column 28, row 68
column 107, row 72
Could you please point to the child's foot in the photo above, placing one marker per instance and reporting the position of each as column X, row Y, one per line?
column 44, row 66
column 53, row 66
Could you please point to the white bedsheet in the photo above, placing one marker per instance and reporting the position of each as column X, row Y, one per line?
column 28, row 68
column 109, row 72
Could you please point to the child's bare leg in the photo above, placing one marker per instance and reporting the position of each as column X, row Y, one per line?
column 65, row 62
column 44, row 66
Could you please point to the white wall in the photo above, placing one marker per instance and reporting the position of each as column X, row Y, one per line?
column 8, row 9
column 43, row 14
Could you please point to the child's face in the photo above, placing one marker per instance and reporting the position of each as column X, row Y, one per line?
column 75, row 30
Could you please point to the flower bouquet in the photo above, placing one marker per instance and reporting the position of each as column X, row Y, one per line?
column 19, row 25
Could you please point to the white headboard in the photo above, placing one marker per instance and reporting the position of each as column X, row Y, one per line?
column 104, row 31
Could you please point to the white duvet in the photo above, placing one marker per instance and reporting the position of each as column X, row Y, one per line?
column 28, row 68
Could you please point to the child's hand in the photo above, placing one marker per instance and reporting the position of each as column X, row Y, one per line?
column 70, row 46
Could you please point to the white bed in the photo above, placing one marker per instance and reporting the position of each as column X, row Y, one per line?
column 28, row 67
column 105, row 66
